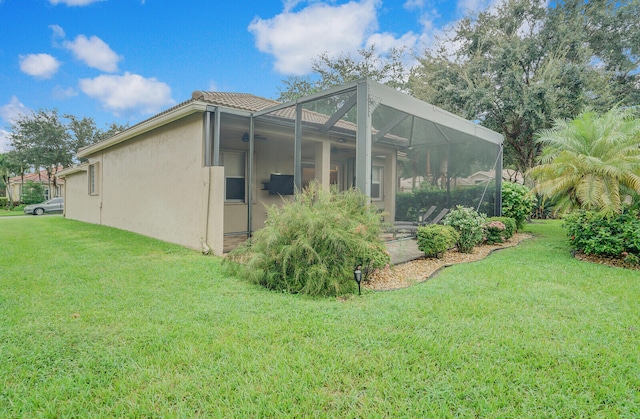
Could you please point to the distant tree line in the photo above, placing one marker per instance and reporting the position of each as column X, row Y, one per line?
column 46, row 140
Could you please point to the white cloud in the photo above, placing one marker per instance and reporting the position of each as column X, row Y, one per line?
column 42, row 66
column 473, row 6
column 74, row 2
column 386, row 41
column 60, row 92
column 94, row 52
column 9, row 113
column 296, row 38
column 13, row 110
column 4, row 140
column 289, row 5
column 57, row 30
column 129, row 93
column 414, row 4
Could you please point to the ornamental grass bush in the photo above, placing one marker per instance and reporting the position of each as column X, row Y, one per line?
column 311, row 244
column 470, row 226
column 435, row 239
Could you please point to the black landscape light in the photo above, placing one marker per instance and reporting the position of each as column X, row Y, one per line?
column 357, row 275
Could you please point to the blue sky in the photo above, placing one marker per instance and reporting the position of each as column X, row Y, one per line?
column 125, row 60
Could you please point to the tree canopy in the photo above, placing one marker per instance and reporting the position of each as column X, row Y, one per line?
column 47, row 140
column 524, row 64
column 329, row 71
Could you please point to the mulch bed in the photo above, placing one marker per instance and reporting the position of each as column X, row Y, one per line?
column 609, row 261
column 406, row 274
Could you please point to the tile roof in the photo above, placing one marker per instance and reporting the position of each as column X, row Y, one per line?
column 35, row 177
column 252, row 103
column 249, row 103
column 244, row 101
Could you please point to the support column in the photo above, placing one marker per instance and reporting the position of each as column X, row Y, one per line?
column 498, row 205
column 323, row 164
column 363, row 140
column 390, row 186
column 297, row 149
column 251, row 181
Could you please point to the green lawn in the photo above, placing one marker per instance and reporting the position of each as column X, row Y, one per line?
column 4, row 212
column 96, row 322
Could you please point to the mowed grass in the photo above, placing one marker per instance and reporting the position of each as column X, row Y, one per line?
column 4, row 212
column 97, row 322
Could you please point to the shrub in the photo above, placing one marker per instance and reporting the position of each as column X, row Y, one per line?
column 4, row 201
column 32, row 193
column 594, row 233
column 517, row 202
column 311, row 244
column 509, row 224
column 436, row 239
column 495, row 232
column 470, row 226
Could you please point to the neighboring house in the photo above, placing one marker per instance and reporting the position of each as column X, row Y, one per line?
column 52, row 187
column 478, row 178
column 484, row 176
column 200, row 173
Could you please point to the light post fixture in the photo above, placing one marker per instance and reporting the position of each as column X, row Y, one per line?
column 357, row 275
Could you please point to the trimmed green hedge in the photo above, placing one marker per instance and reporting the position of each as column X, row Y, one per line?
column 435, row 239
column 616, row 236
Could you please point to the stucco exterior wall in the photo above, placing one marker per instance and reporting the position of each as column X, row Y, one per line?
column 79, row 205
column 155, row 185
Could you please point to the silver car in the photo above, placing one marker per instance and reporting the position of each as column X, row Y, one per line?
column 52, row 205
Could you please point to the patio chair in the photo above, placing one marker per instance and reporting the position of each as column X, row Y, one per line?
column 439, row 217
column 411, row 227
column 420, row 221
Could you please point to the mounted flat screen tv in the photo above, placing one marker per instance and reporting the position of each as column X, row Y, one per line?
column 281, row 184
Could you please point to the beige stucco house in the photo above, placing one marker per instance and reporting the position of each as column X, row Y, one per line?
column 52, row 187
column 200, row 174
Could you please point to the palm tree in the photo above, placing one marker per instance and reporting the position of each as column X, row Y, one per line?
column 592, row 162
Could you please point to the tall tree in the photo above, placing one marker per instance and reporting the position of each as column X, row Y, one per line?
column 46, row 140
column 591, row 162
column 524, row 64
column 330, row 71
column 9, row 167
column 42, row 140
column 84, row 132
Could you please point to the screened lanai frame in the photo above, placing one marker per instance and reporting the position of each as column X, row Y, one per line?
column 363, row 118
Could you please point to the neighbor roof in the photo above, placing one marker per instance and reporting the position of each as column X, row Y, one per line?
column 38, row 177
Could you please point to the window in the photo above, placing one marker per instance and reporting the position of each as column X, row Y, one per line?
column 376, row 183
column 93, row 180
column 234, row 176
